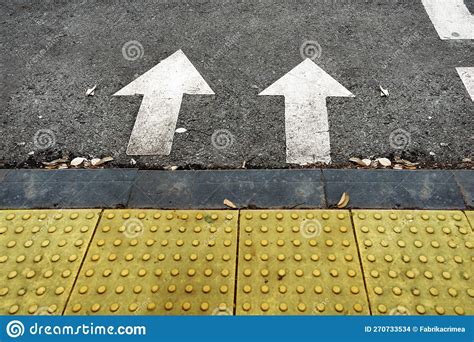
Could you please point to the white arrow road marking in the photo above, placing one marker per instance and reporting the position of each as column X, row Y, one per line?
column 306, row 118
column 467, row 77
column 451, row 18
column 162, row 88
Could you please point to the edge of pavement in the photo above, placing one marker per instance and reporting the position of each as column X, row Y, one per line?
column 208, row 189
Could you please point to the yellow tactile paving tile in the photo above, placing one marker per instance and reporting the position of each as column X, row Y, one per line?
column 40, row 254
column 299, row 262
column 417, row 262
column 159, row 262
column 470, row 217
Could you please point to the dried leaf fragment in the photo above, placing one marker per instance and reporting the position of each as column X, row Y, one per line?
column 229, row 203
column 103, row 161
column 344, row 201
column 384, row 162
column 94, row 161
column 360, row 162
column 90, row 91
column 366, row 162
column 405, row 162
column 356, row 160
column 55, row 162
column 77, row 161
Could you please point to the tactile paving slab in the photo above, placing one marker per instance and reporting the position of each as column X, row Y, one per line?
column 417, row 262
column 41, row 252
column 299, row 262
column 159, row 262
column 470, row 217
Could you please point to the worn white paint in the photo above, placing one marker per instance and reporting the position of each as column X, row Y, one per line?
column 451, row 18
column 467, row 76
column 162, row 88
column 305, row 89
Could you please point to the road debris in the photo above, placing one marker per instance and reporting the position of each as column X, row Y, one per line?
column 397, row 164
column 181, row 130
column 367, row 162
column 77, row 161
column 344, row 201
column 94, row 161
column 98, row 162
column 384, row 162
column 229, row 204
column 55, row 162
column 90, row 91
column 361, row 162
column 405, row 164
column 384, row 92
column 358, row 161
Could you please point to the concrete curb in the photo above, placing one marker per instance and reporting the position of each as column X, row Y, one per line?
column 309, row 188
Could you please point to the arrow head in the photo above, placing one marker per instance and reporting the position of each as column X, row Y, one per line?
column 175, row 75
column 307, row 80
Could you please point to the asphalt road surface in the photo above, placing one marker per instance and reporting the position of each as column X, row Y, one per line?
column 52, row 52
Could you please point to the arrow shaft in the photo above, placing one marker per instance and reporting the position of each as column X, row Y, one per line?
column 451, row 18
column 307, row 131
column 154, row 127
column 467, row 76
